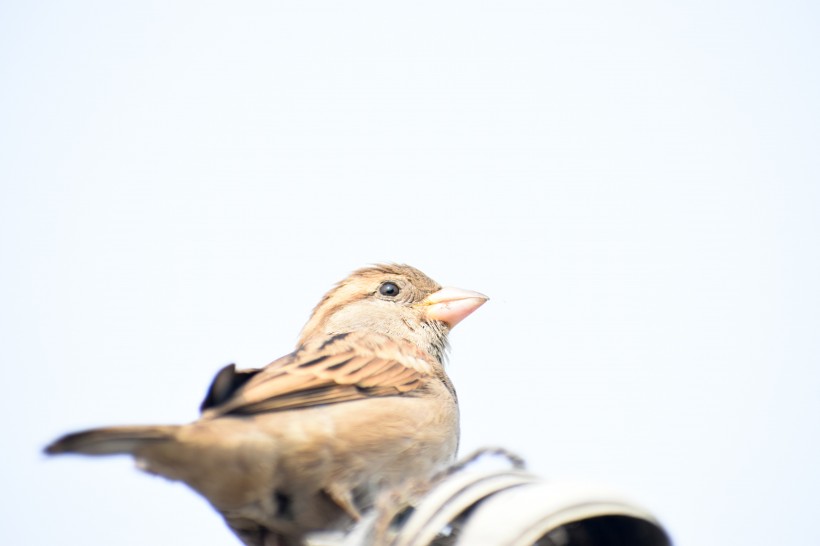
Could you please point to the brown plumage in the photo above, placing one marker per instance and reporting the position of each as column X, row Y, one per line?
column 307, row 442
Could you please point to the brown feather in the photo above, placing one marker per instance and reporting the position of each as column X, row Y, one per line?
column 329, row 373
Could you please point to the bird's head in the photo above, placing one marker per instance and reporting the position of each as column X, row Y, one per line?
column 395, row 300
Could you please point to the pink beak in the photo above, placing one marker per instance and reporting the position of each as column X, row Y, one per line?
column 452, row 305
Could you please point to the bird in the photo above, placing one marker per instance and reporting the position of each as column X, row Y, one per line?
column 308, row 442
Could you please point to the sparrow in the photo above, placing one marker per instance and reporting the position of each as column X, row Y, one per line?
column 308, row 442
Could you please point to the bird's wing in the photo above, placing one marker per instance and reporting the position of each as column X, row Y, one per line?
column 344, row 368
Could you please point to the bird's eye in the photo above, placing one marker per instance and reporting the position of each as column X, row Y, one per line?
column 389, row 289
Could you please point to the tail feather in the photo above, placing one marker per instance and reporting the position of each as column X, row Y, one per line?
column 111, row 440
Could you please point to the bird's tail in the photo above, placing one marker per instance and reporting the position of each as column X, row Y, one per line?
column 111, row 440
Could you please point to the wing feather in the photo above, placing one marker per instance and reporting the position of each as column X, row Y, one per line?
column 346, row 368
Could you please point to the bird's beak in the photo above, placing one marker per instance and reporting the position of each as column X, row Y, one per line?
column 452, row 305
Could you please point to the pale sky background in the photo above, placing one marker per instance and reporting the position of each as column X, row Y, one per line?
column 635, row 185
